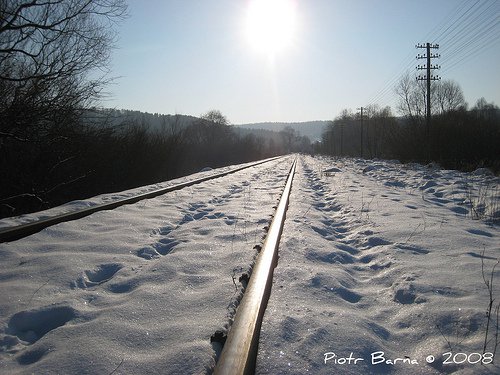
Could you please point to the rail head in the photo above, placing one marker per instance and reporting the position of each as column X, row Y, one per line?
column 240, row 349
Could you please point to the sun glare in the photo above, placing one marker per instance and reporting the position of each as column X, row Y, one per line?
column 270, row 25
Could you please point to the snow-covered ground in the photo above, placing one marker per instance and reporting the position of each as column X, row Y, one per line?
column 139, row 289
column 78, row 205
column 375, row 257
column 382, row 257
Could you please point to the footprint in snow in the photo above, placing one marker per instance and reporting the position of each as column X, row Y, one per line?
column 413, row 248
column 335, row 226
column 123, row 287
column 439, row 201
column 341, row 257
column 405, row 295
column 411, row 207
column 148, row 253
column 459, row 210
column 165, row 245
column 476, row 255
column 97, row 276
column 321, row 231
column 196, row 206
column 479, row 232
column 216, row 215
column 380, row 331
column 380, row 266
column 351, row 250
column 165, row 231
column 428, row 184
column 396, row 184
column 367, row 258
column 376, row 241
column 329, row 284
column 290, row 329
column 32, row 356
column 230, row 220
column 30, row 326
column 347, row 295
column 322, row 206
column 196, row 211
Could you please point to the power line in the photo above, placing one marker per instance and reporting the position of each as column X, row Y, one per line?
column 444, row 34
column 469, row 30
column 407, row 63
column 482, row 32
column 443, row 23
column 466, row 31
column 475, row 52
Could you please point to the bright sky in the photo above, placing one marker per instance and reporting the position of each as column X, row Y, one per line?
column 296, row 60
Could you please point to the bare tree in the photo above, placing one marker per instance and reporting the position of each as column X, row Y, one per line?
column 448, row 96
column 485, row 110
column 211, row 128
column 411, row 97
column 445, row 96
column 53, row 64
column 47, row 50
column 215, row 117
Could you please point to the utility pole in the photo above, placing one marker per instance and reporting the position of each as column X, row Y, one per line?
column 342, row 138
column 361, row 140
column 428, row 77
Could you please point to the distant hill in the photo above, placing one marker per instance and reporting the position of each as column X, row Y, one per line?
column 119, row 118
column 311, row 129
column 122, row 117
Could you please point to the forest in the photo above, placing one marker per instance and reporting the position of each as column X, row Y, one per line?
column 456, row 137
column 85, row 157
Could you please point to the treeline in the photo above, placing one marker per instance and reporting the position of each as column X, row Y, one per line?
column 76, row 159
column 456, row 138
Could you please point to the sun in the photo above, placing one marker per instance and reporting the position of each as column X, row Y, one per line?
column 270, row 25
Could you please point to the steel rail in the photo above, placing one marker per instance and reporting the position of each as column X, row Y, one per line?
column 240, row 349
column 24, row 230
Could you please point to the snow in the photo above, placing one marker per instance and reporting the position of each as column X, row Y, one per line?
column 140, row 288
column 375, row 256
column 380, row 257
column 111, row 197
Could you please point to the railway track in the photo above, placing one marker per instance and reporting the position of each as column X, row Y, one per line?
column 20, row 231
column 97, row 261
column 153, row 287
column 240, row 349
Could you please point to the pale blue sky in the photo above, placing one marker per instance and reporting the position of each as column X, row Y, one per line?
column 191, row 56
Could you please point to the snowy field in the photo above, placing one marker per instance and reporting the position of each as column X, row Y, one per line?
column 112, row 197
column 382, row 257
column 139, row 289
column 375, row 257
